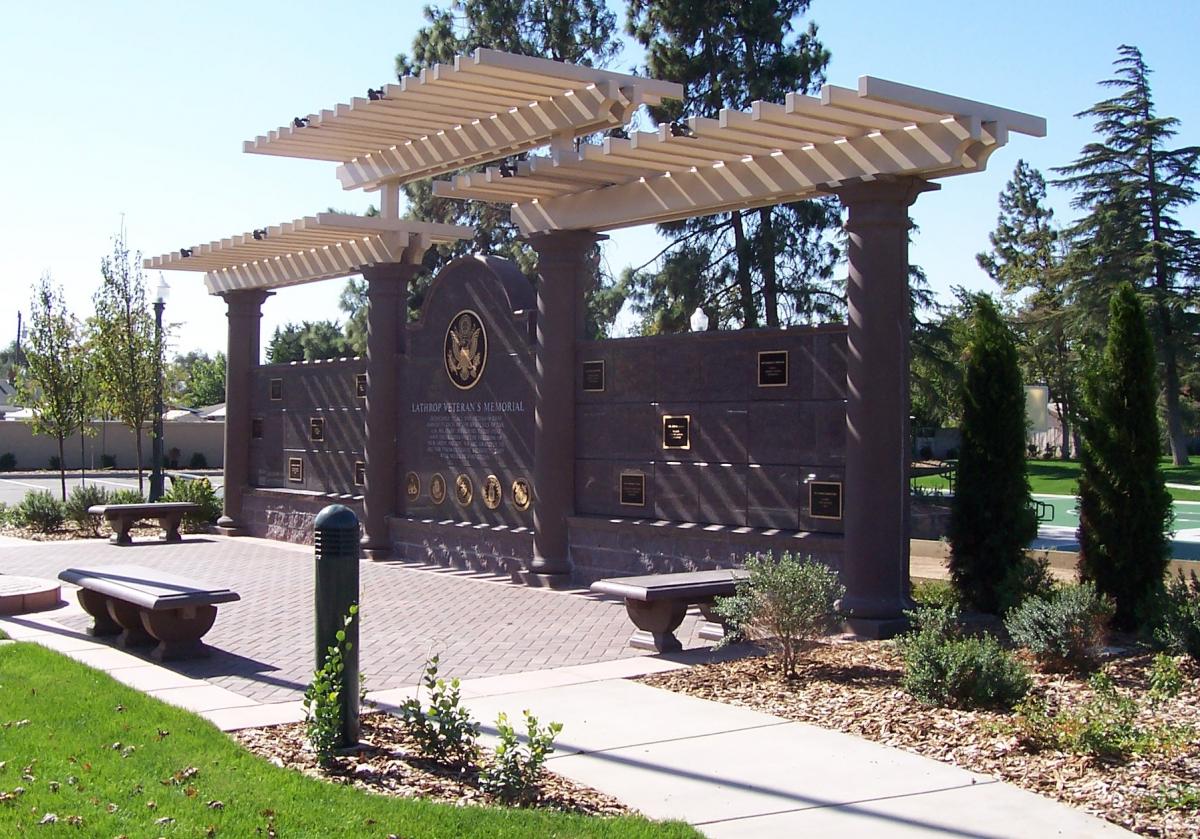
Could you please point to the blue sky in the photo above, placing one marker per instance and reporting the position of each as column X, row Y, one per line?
column 137, row 109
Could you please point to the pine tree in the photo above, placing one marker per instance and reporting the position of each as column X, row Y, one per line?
column 1131, row 186
column 1124, row 507
column 991, row 520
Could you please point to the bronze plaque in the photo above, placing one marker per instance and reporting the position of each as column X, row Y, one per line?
column 437, row 488
column 593, row 376
column 316, row 429
column 522, row 495
column 360, row 473
column 276, row 389
column 465, row 349
column 256, row 428
column 773, row 368
column 296, row 470
column 492, row 492
column 412, row 486
column 464, row 490
column 633, row 489
column 825, row 499
column 360, row 385
column 677, row 432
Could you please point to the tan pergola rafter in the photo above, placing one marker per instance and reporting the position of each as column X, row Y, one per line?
column 320, row 247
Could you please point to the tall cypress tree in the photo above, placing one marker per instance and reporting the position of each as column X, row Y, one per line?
column 991, row 520
column 1124, row 507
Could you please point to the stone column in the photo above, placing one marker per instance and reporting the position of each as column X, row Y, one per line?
column 242, row 356
column 387, row 296
column 876, row 564
column 565, row 273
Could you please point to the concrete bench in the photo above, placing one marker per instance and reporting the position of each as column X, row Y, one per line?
column 146, row 606
column 121, row 517
column 657, row 603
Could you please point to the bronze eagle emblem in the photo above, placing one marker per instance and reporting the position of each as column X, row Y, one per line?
column 464, row 356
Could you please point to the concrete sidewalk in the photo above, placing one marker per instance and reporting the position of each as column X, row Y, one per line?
column 729, row 771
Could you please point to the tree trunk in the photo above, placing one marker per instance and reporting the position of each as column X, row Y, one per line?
column 1179, row 454
column 137, row 436
column 770, row 281
column 62, row 468
column 82, row 458
column 745, row 286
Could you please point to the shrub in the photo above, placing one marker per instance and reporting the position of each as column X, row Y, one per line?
column 8, row 462
column 126, row 496
column 926, row 452
column 76, row 507
column 1028, row 577
column 1179, row 621
column 197, row 492
column 322, row 698
column 443, row 731
column 1166, row 679
column 198, row 461
column 108, row 461
column 785, row 603
column 1064, row 630
column 514, row 770
column 38, row 510
column 934, row 593
column 942, row 667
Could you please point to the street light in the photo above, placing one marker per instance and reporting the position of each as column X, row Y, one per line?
column 156, row 472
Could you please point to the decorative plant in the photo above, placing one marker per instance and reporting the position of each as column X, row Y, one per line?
column 513, row 772
column 322, row 698
column 443, row 730
column 1064, row 630
column 78, row 503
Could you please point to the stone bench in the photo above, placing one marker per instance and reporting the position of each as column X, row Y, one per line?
column 121, row 517
column 657, row 603
column 146, row 606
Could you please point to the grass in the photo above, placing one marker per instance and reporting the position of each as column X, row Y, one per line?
column 1059, row 477
column 110, row 761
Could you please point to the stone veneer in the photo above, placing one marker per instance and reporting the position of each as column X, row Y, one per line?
column 287, row 514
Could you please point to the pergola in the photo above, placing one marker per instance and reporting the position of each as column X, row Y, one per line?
column 876, row 147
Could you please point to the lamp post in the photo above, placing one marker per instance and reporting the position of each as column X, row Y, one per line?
column 156, row 471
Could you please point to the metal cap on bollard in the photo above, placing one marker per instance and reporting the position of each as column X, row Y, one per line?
column 336, row 549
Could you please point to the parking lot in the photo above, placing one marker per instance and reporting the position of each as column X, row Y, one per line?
column 12, row 490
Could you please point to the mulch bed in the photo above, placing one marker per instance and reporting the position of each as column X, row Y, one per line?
column 388, row 763
column 68, row 533
column 854, row 686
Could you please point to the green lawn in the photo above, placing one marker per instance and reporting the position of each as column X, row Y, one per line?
column 84, row 746
column 1058, row 477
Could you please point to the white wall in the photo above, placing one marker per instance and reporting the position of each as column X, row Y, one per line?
column 34, row 451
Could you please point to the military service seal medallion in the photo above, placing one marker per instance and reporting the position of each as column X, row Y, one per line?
column 466, row 349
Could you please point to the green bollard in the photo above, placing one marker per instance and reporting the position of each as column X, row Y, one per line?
column 336, row 543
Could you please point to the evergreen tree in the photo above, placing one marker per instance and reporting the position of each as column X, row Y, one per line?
column 1026, row 258
column 307, row 341
column 992, row 520
column 1131, row 187
column 1124, row 507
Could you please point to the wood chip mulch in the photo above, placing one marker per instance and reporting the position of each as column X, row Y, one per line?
column 387, row 763
column 68, row 533
column 854, row 686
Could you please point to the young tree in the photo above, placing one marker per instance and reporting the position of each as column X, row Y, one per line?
column 1026, row 258
column 991, row 520
column 1124, row 506
column 124, row 346
column 56, row 380
column 1131, row 187
column 200, row 379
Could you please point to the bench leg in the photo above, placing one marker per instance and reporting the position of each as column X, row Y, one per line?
column 656, row 623
column 170, row 526
column 178, row 631
column 120, row 532
column 129, row 618
column 96, row 605
column 714, row 627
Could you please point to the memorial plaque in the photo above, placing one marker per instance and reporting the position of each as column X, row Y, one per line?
column 296, row 470
column 437, row 488
column 825, row 499
column 412, row 486
column 276, row 390
column 633, row 489
column 492, row 492
column 316, row 429
column 360, row 385
column 593, row 376
column 464, row 490
column 256, row 428
column 465, row 349
column 677, row 432
column 773, row 368
column 522, row 495
column 360, row 473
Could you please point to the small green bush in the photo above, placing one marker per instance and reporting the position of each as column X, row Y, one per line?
column 443, row 731
column 785, row 604
column 513, row 772
column 1179, row 620
column 40, row 511
column 126, row 496
column 934, row 593
column 8, row 462
column 1166, row 679
column 322, row 698
column 1064, row 631
column 108, row 461
column 198, row 461
column 943, row 667
column 1028, row 577
column 55, row 462
column 76, row 507
column 197, row 492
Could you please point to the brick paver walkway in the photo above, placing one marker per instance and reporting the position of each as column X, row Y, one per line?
column 263, row 644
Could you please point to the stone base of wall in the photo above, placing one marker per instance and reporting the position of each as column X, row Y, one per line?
column 477, row 547
column 287, row 514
